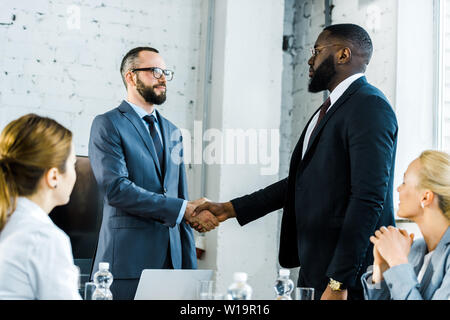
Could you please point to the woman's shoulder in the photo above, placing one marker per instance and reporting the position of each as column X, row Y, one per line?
column 26, row 230
column 50, row 234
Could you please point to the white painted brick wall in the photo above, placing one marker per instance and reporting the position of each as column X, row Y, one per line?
column 72, row 75
column 46, row 66
column 379, row 19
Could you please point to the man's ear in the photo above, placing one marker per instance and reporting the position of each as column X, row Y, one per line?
column 129, row 78
column 344, row 55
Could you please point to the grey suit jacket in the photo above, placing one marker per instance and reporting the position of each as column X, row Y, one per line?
column 141, row 202
column 400, row 282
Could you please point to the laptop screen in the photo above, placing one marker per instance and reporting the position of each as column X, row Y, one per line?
column 169, row 284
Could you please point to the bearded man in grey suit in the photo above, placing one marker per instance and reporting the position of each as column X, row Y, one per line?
column 137, row 159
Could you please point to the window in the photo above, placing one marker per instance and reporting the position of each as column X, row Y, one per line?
column 423, row 81
column 443, row 119
column 417, row 89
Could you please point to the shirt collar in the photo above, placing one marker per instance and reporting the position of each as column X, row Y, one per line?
column 31, row 208
column 341, row 87
column 141, row 112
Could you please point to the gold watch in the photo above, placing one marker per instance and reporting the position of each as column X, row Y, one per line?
column 336, row 285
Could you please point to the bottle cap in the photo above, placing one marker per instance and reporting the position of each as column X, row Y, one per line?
column 240, row 276
column 103, row 266
column 285, row 272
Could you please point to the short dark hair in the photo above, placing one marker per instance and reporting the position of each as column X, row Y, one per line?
column 355, row 35
column 129, row 60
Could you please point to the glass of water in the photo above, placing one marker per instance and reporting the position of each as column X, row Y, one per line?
column 205, row 290
column 89, row 288
column 304, row 293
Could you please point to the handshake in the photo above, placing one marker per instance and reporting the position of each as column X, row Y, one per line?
column 204, row 215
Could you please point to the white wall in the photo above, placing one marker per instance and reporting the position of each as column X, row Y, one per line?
column 416, row 88
column 246, row 94
column 379, row 19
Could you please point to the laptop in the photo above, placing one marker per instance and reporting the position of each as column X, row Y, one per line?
column 169, row 284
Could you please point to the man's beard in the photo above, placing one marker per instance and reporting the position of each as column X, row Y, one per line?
column 149, row 94
column 322, row 76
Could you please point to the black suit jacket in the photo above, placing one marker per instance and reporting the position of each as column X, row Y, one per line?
column 338, row 195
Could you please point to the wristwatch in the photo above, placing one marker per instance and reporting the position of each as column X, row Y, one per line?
column 336, row 285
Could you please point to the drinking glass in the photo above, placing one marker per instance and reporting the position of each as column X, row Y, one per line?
column 218, row 296
column 205, row 290
column 304, row 293
column 89, row 288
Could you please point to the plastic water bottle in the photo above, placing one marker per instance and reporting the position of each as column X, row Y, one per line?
column 284, row 285
column 103, row 279
column 239, row 289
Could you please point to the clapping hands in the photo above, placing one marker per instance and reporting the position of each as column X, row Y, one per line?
column 391, row 248
column 392, row 244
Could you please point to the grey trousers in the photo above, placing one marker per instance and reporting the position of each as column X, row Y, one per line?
column 125, row 289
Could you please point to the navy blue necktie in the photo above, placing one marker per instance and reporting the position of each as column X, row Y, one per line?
column 156, row 140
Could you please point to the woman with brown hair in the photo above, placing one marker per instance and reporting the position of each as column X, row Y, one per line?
column 37, row 173
column 407, row 270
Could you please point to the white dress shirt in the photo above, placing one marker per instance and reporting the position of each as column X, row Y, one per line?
column 334, row 96
column 36, row 259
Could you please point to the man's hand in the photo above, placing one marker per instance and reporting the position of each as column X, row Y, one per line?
column 329, row 294
column 222, row 211
column 202, row 222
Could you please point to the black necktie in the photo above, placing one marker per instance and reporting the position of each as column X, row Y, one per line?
column 156, row 140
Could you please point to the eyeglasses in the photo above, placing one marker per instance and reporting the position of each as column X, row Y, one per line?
column 157, row 72
column 316, row 50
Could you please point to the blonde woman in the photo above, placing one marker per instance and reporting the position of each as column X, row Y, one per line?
column 414, row 270
column 37, row 173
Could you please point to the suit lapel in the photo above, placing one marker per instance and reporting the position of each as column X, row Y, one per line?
column 297, row 153
column 345, row 96
column 131, row 115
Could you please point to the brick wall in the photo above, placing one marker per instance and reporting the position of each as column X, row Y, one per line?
column 379, row 19
column 61, row 58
